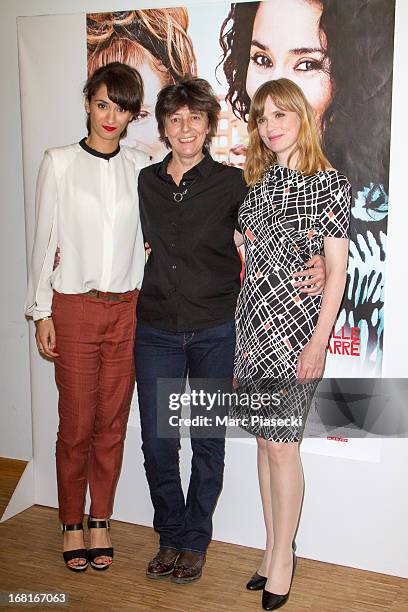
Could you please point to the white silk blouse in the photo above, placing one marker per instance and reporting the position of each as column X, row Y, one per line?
column 87, row 206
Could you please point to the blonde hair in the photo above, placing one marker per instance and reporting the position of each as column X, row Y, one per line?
column 287, row 96
column 129, row 37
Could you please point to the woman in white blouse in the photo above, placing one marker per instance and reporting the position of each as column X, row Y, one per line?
column 84, row 309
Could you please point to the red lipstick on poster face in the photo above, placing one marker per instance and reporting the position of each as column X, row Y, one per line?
column 109, row 128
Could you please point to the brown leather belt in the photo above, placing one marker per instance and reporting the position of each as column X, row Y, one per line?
column 110, row 295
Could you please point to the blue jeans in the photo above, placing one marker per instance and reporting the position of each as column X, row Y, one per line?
column 183, row 524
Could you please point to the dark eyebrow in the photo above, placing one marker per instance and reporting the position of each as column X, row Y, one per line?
column 104, row 101
column 299, row 51
column 306, row 50
column 192, row 112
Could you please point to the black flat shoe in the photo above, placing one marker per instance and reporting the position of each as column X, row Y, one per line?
column 94, row 553
column 256, row 583
column 271, row 601
column 79, row 553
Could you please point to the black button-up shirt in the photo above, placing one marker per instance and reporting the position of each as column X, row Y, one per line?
column 192, row 277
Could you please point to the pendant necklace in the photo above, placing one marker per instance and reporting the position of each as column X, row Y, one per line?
column 178, row 196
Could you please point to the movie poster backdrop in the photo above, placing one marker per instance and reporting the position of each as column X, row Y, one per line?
column 340, row 52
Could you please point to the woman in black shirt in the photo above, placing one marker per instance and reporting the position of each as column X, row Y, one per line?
column 186, row 308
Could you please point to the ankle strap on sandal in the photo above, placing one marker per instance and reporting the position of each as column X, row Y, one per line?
column 95, row 524
column 72, row 527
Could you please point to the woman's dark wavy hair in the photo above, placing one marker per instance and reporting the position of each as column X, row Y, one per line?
column 356, row 124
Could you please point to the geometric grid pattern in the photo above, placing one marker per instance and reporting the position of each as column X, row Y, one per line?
column 284, row 219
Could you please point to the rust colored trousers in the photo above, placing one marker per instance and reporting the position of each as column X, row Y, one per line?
column 95, row 378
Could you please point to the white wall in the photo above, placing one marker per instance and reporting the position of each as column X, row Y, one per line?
column 360, row 507
column 396, row 292
column 15, row 431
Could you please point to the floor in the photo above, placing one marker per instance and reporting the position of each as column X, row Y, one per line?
column 30, row 560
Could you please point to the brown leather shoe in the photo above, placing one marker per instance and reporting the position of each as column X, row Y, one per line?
column 162, row 564
column 188, row 567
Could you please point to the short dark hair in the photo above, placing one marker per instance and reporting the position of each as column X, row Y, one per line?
column 195, row 93
column 124, row 86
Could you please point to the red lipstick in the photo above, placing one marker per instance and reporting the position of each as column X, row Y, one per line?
column 109, row 128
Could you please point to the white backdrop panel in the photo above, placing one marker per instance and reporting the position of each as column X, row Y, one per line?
column 351, row 512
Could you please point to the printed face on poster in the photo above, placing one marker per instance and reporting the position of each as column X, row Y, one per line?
column 340, row 52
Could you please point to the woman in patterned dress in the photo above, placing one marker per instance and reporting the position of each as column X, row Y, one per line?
column 330, row 48
column 297, row 206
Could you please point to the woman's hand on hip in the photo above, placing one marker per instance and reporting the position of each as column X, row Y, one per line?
column 316, row 276
column 45, row 338
column 310, row 365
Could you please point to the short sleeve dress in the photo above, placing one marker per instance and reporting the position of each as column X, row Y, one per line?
column 284, row 219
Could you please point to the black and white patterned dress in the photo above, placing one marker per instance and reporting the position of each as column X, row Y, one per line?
column 284, row 219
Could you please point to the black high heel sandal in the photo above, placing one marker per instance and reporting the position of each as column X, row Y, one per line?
column 79, row 553
column 272, row 601
column 94, row 553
